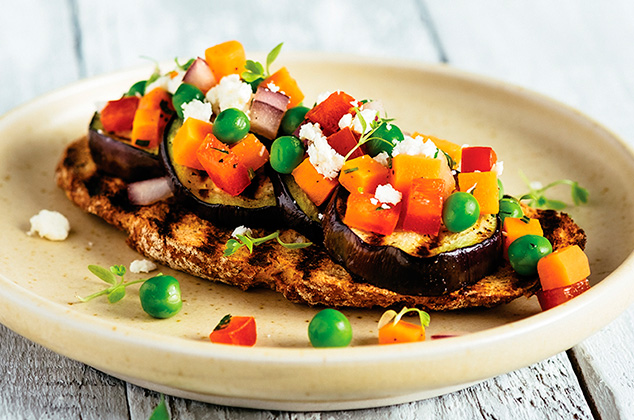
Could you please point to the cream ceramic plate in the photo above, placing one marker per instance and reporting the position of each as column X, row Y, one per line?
column 40, row 279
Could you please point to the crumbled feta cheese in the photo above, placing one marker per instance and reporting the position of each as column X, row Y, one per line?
column 49, row 224
column 240, row 230
column 498, row 167
column 322, row 97
column 383, row 159
column 273, row 87
column 374, row 201
column 416, row 146
column 197, row 109
column 322, row 156
column 387, row 194
column 231, row 92
column 368, row 115
column 142, row 266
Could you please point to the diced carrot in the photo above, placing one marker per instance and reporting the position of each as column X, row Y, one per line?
column 514, row 227
column 485, row 191
column 315, row 185
column 151, row 116
column 423, row 209
column 118, row 116
column 251, row 152
column 282, row 79
column 364, row 212
column 478, row 158
column 223, row 166
column 328, row 112
column 187, row 141
column 452, row 149
column 563, row 267
column 363, row 174
column 236, row 330
column 553, row 297
column 226, row 58
column 401, row 332
column 406, row 168
column 345, row 140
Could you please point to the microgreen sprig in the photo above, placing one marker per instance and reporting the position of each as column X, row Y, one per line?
column 241, row 240
column 392, row 316
column 254, row 70
column 368, row 135
column 116, row 291
column 536, row 195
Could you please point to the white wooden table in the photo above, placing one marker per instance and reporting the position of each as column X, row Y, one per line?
column 579, row 52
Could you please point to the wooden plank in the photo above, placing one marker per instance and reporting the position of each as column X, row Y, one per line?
column 37, row 53
column 40, row 384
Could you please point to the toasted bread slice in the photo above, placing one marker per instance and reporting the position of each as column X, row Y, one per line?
column 173, row 236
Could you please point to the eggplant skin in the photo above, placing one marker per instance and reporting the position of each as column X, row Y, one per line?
column 391, row 268
column 114, row 157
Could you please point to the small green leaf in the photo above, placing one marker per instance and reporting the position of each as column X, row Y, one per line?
column 580, row 195
column 554, row 204
column 270, row 58
column 103, row 274
column 160, row 412
column 231, row 247
column 118, row 270
column 116, row 294
column 223, row 322
column 294, row 245
column 246, row 241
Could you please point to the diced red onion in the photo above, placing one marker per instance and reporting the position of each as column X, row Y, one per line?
column 149, row 191
column 199, row 74
column 267, row 110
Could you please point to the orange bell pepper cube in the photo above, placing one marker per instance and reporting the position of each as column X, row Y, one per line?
column 478, row 158
column 118, row 116
column 423, row 209
column 401, row 332
column 553, row 297
column 514, row 227
column 316, row 186
column 187, row 141
column 343, row 141
column 328, row 112
column 151, row 117
column 223, row 166
column 282, row 79
column 364, row 212
column 226, row 58
column 363, row 174
column 251, row 152
column 406, row 168
column 485, row 191
column 563, row 267
column 236, row 330
column 452, row 149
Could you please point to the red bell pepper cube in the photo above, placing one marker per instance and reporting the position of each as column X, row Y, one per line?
column 366, row 213
column 118, row 116
column 423, row 210
column 478, row 158
column 236, row 330
column 328, row 112
column 345, row 140
column 223, row 166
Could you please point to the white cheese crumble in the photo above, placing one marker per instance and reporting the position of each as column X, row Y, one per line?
column 322, row 156
column 197, row 109
column 383, row 159
column 273, row 87
column 498, row 167
column 50, row 225
column 231, row 92
column 241, row 230
column 386, row 194
column 142, row 266
column 416, row 146
column 368, row 116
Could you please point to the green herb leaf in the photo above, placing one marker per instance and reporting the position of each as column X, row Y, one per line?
column 160, row 412
column 223, row 322
column 118, row 270
column 246, row 241
column 116, row 294
column 254, row 67
column 270, row 58
column 368, row 135
column 294, row 245
column 103, row 274
column 254, row 70
column 231, row 247
column 536, row 196
column 250, row 242
column 186, row 66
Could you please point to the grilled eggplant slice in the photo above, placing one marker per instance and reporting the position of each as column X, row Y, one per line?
column 255, row 207
column 409, row 263
column 116, row 156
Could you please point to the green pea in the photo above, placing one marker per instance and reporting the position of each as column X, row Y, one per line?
column 329, row 328
column 161, row 296
column 526, row 251
column 287, row 152
column 231, row 125
column 460, row 211
column 500, row 189
column 292, row 119
column 510, row 207
column 137, row 89
column 185, row 94
column 384, row 138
